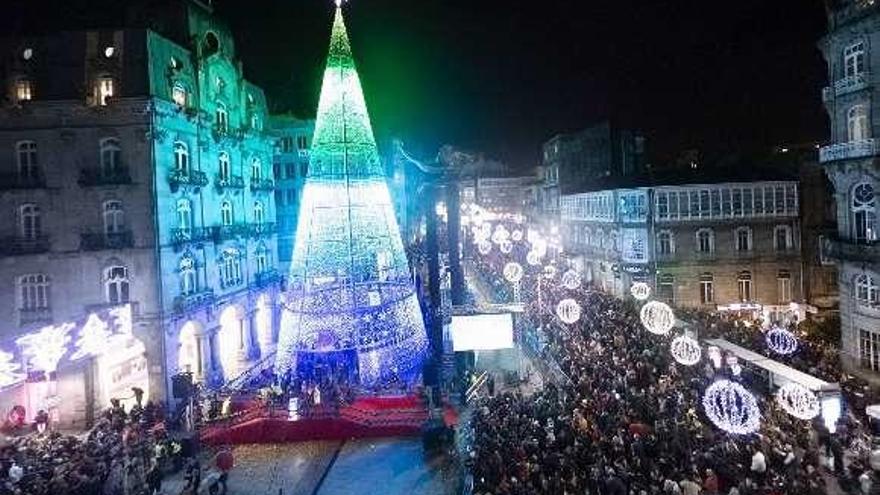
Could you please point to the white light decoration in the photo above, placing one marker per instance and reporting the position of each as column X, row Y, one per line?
column 568, row 310
column 506, row 246
column 513, row 272
column 9, row 370
column 533, row 258
column 657, row 317
column 486, row 230
column 781, row 341
column 732, row 408
column 640, row 290
column 686, row 350
column 485, row 247
column 517, row 235
column 44, row 348
column 714, row 355
column 94, row 338
column 500, row 235
column 571, row 279
column 549, row 271
column 799, row 401
column 831, row 411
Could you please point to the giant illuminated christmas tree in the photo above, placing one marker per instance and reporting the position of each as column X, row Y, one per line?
column 350, row 299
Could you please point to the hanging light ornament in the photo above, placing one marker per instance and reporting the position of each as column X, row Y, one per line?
column 571, row 279
column 485, row 247
column 732, row 408
column 513, row 272
column 640, row 290
column 781, row 341
column 506, row 246
column 500, row 235
column 517, row 235
column 686, row 350
column 799, row 401
column 533, row 258
column 657, row 317
column 549, row 271
column 568, row 310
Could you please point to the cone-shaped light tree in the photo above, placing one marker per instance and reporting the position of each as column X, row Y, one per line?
column 350, row 300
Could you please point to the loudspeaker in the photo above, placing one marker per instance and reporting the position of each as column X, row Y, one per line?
column 181, row 385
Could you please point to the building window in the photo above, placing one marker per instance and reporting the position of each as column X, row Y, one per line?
column 24, row 90
column 302, row 142
column 26, row 155
column 256, row 169
column 290, row 170
column 230, row 268
column 110, row 156
column 189, row 282
column 854, row 59
column 104, row 90
column 34, row 292
column 867, row 292
column 184, row 214
column 181, row 157
column 287, row 144
column 857, row 123
column 869, row 350
column 221, row 118
column 226, row 213
column 223, row 165
column 743, row 237
column 259, row 213
column 864, row 213
column 116, row 284
column 665, row 243
column 707, row 288
column 705, row 241
column 178, row 94
column 782, row 239
column 744, row 283
column 30, row 222
column 114, row 217
column 255, row 122
column 598, row 238
column 666, row 288
column 261, row 258
column 783, row 286
column 303, row 169
column 588, row 236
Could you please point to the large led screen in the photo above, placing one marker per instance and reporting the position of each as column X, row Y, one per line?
column 482, row 332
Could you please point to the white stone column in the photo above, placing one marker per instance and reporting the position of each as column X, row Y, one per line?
column 265, row 320
column 244, row 344
column 203, row 355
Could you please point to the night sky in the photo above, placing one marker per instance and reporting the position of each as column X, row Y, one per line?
column 502, row 77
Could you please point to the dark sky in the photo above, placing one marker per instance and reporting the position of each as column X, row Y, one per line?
column 502, row 77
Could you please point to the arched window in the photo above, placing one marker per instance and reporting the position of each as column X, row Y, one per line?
column 223, row 165
column 854, row 59
column 256, row 169
column 867, row 292
column 665, row 243
column 857, row 123
column 782, row 239
column 110, row 156
column 230, row 268
column 221, row 118
column 189, row 282
column 259, row 214
column 33, row 291
column 181, row 157
column 743, row 238
column 184, row 214
column 105, row 88
column 114, row 217
column 226, row 213
column 598, row 238
column 26, row 154
column 30, row 221
column 705, row 241
column 615, row 244
column 588, row 236
column 707, row 288
column 864, row 213
column 179, row 94
column 261, row 258
column 744, row 283
column 116, row 284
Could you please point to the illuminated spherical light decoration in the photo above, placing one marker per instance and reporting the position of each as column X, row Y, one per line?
column 484, row 247
column 568, row 310
column 732, row 408
column 640, row 290
column 513, row 272
column 517, row 235
column 657, row 317
column 549, row 271
column 686, row 350
column 799, row 401
column 505, row 247
column 486, row 230
column 571, row 279
column 533, row 258
column 500, row 235
column 781, row 341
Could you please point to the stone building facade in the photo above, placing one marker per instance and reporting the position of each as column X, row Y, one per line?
column 293, row 140
column 850, row 160
column 147, row 181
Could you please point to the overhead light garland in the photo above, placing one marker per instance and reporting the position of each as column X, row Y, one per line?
column 799, row 401
column 686, row 350
column 781, row 341
column 732, row 408
column 94, row 338
column 657, row 317
column 513, row 272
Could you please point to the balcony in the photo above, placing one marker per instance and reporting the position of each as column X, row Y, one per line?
column 229, row 182
column 845, row 249
column 34, row 315
column 103, row 241
column 849, row 150
column 266, row 278
column 18, row 181
column 846, row 85
column 262, row 184
column 90, row 177
column 17, row 246
column 193, row 178
column 187, row 235
column 189, row 302
column 261, row 229
column 230, row 232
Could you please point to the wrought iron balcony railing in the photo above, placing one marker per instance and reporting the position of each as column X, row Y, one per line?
column 195, row 300
column 845, row 249
column 192, row 234
column 230, row 182
column 89, row 177
column 109, row 240
column 230, row 232
column 34, row 315
column 195, row 178
column 260, row 229
column 19, row 181
column 266, row 278
column 15, row 245
column 262, row 184
column 852, row 149
column 847, row 84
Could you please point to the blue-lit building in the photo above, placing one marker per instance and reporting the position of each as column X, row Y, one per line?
column 293, row 139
